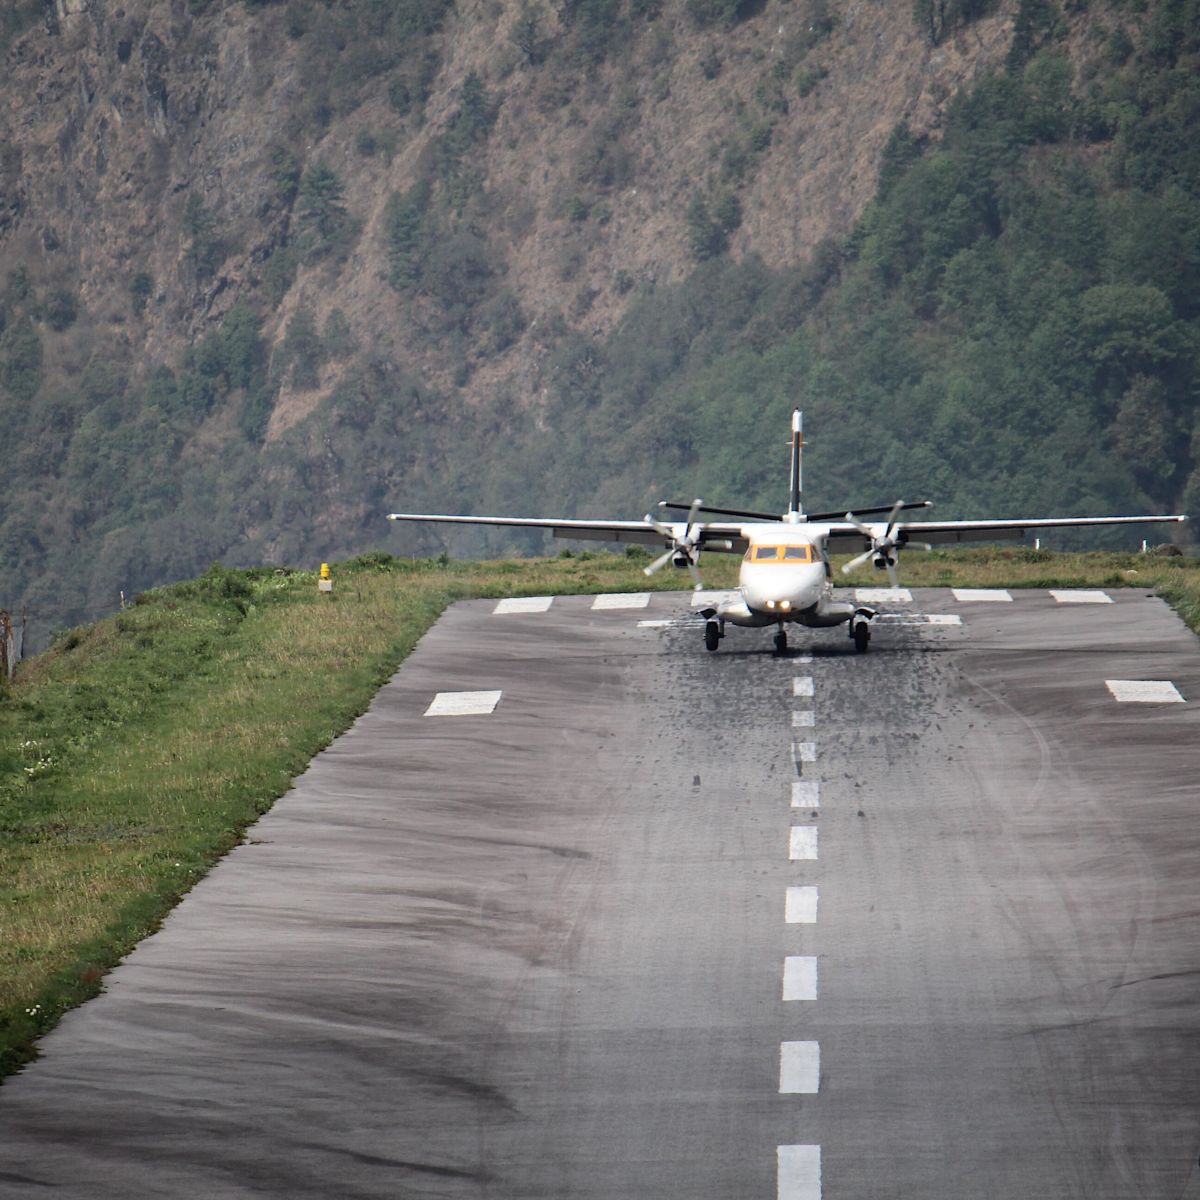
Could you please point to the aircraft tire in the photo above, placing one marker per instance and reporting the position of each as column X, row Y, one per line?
column 781, row 642
column 712, row 635
column 862, row 637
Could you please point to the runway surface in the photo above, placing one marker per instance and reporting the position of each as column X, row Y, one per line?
column 919, row 924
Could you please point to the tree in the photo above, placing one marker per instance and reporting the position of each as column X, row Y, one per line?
column 205, row 251
column 321, row 208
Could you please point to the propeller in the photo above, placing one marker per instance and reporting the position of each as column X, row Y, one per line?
column 884, row 551
column 687, row 546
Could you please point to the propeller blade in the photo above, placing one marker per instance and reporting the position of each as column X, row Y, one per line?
column 855, row 563
column 891, row 521
column 697, row 505
column 697, row 582
column 893, row 578
column 661, row 561
column 863, row 529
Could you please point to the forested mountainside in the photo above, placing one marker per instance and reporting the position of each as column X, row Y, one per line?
column 270, row 268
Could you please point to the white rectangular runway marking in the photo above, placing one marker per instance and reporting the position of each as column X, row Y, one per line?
column 984, row 595
column 804, row 718
column 799, row 978
column 523, row 604
column 802, row 685
column 799, row 1068
column 802, row 843
column 883, row 595
column 806, row 793
column 660, row 624
column 462, row 704
column 1145, row 691
column 804, row 752
column 800, row 907
column 622, row 600
column 712, row 599
column 801, row 660
column 943, row 619
column 1081, row 596
column 799, row 1173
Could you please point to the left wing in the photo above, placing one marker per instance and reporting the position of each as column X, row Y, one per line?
column 844, row 537
column 722, row 536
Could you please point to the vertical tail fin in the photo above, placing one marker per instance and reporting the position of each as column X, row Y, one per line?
column 794, row 509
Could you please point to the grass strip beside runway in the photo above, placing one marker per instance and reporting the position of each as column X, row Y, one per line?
column 136, row 751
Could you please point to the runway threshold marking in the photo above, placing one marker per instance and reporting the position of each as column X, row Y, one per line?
column 799, row 978
column 1081, row 596
column 982, row 595
column 463, row 704
column 883, row 595
column 802, row 843
column 622, row 600
column 799, row 1172
column 799, row 1068
column 800, row 905
column 802, row 685
column 1144, row 691
column 806, row 793
column 523, row 604
column 804, row 718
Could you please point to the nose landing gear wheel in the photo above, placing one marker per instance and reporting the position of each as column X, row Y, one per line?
column 781, row 642
column 712, row 635
column 862, row 636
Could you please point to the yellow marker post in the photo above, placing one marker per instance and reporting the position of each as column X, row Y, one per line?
column 325, row 582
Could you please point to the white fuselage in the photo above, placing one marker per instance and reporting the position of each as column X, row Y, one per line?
column 784, row 576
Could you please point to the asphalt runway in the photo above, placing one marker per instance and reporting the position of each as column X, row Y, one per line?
column 920, row 924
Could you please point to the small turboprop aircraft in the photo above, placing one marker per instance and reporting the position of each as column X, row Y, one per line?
column 785, row 574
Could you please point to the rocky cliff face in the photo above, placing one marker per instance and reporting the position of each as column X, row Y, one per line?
column 115, row 114
column 420, row 211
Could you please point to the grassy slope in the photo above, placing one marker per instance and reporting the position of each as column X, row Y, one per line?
column 136, row 751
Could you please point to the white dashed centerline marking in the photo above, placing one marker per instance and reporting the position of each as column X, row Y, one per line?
column 799, row 1172
column 982, row 595
column 1144, row 691
column 800, row 906
column 799, row 1068
column 622, row 600
column 800, row 660
column 802, row 685
column 1081, row 596
column 804, row 752
column 804, row 718
column 463, row 704
column 883, row 595
column 802, row 843
column 806, row 793
column 799, row 978
column 523, row 604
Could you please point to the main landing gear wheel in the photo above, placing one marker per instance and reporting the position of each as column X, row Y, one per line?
column 862, row 636
column 781, row 642
column 712, row 635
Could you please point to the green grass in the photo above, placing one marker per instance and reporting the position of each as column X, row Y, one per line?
column 136, row 751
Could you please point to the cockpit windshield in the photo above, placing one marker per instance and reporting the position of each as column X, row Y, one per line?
column 789, row 554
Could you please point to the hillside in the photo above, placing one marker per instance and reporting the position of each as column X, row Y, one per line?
column 272, row 268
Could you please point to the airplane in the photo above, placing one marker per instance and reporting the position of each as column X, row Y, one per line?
column 785, row 576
